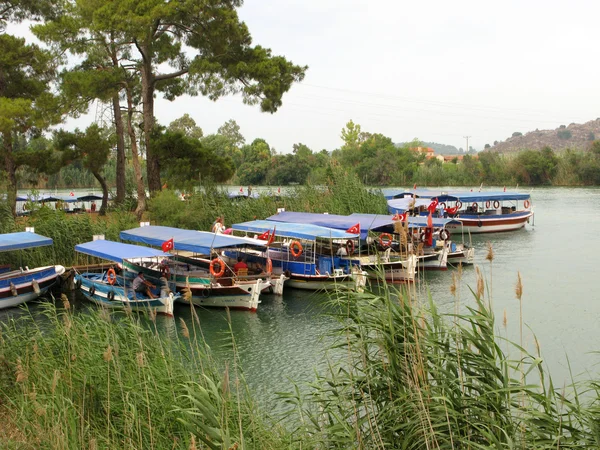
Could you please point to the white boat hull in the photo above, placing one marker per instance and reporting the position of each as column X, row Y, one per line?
column 490, row 224
column 26, row 290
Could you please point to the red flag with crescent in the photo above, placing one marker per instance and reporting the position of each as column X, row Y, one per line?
column 168, row 245
column 265, row 236
column 432, row 206
column 354, row 229
column 400, row 217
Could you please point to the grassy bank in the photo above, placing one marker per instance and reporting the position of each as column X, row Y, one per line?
column 343, row 194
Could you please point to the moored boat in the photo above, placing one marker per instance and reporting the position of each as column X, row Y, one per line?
column 477, row 212
column 24, row 284
column 211, row 282
column 114, row 291
column 307, row 254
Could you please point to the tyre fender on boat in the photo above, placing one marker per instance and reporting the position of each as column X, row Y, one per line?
column 110, row 296
column 92, row 290
column 349, row 247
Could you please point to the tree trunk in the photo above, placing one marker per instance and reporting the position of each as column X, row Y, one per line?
column 120, row 149
column 139, row 180
column 152, row 165
column 102, row 182
column 11, row 173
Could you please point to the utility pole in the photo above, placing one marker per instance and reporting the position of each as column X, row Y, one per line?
column 467, row 138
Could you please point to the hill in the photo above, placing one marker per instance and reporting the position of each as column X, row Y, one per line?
column 440, row 149
column 575, row 136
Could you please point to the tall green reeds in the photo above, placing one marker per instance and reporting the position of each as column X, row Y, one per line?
column 344, row 194
column 102, row 380
column 414, row 378
column 66, row 230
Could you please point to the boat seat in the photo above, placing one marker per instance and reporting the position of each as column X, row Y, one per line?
column 242, row 272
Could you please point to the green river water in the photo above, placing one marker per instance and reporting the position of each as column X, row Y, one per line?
column 286, row 339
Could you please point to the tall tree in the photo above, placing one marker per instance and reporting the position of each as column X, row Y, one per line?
column 100, row 76
column 206, row 49
column 186, row 125
column 231, row 130
column 91, row 147
column 26, row 104
column 186, row 161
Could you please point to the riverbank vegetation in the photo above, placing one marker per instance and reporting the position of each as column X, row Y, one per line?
column 343, row 194
column 411, row 378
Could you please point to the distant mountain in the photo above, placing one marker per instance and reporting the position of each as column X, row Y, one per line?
column 575, row 136
column 440, row 149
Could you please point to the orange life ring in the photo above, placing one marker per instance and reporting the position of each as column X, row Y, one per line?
column 526, row 204
column 475, row 206
column 488, row 204
column 444, row 234
column 443, row 205
column 496, row 204
column 459, row 204
column 296, row 249
column 221, row 264
column 349, row 246
column 111, row 276
column 387, row 241
column 269, row 265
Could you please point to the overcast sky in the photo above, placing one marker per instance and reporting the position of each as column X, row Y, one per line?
column 435, row 70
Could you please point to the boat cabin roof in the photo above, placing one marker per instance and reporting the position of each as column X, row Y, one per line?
column 22, row 240
column 464, row 197
column 305, row 231
column 117, row 251
column 188, row 240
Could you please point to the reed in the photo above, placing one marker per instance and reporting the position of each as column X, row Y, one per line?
column 344, row 194
column 415, row 378
column 111, row 380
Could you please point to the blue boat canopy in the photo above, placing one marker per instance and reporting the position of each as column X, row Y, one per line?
column 21, row 240
column 374, row 223
column 465, row 197
column 188, row 240
column 117, row 251
column 293, row 230
column 89, row 198
column 413, row 221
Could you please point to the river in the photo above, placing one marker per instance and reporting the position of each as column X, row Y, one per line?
column 287, row 338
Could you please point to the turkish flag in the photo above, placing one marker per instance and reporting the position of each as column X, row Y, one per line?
column 72, row 194
column 241, row 190
column 354, row 229
column 432, row 206
column 168, row 245
column 415, row 186
column 265, row 236
column 400, row 217
column 429, row 221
